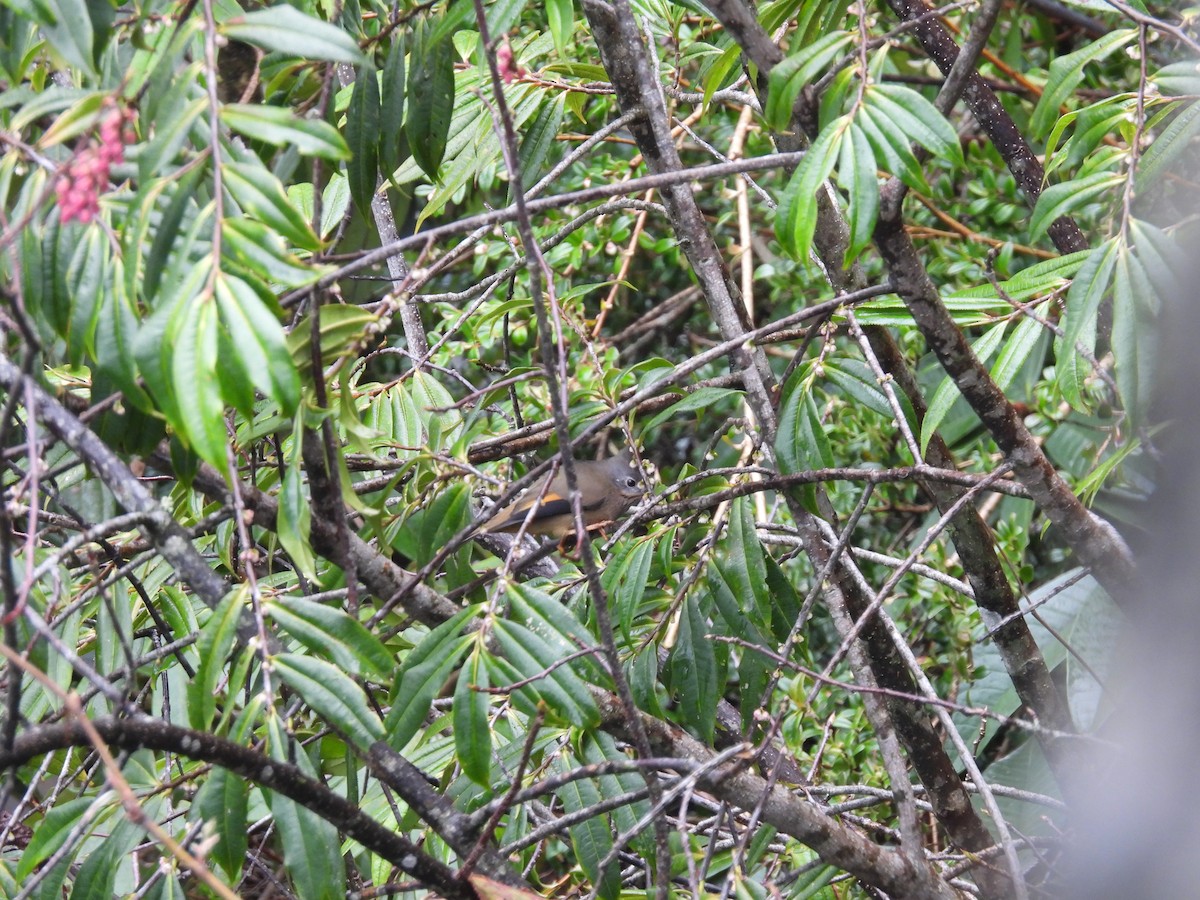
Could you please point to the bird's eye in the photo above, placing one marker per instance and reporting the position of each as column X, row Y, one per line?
column 631, row 482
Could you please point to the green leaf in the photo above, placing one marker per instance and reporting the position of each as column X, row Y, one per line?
column 259, row 341
column 81, row 116
column 789, row 77
column 857, row 175
column 566, row 696
column 170, row 134
column 97, row 874
column 183, row 202
column 294, row 524
column 391, row 116
column 1088, row 288
column 540, row 139
column 796, row 218
column 591, row 839
column 703, row 398
column 363, row 120
column 718, row 71
column 624, row 581
column 286, row 30
column 551, row 620
column 693, row 667
column 261, row 196
column 260, row 251
column 223, row 801
column 472, row 734
column 343, row 327
column 424, row 533
column 213, row 646
column 280, row 127
column 67, row 25
column 1134, row 337
column 332, row 694
column 431, row 100
column 892, row 145
column 312, row 851
column 86, row 281
column 917, row 118
column 333, row 634
column 859, row 383
column 560, row 14
column 752, row 668
column 1017, row 348
column 52, row 832
column 1065, row 74
column 193, row 343
column 947, row 392
column 1180, row 79
column 424, row 672
column 1059, row 199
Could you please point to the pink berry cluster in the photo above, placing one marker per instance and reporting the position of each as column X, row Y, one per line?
column 83, row 178
column 505, row 64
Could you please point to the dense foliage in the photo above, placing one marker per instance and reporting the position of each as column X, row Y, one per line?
column 873, row 292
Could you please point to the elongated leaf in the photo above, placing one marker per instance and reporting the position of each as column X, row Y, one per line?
column 86, row 280
column 260, row 195
column 1017, row 348
column 549, row 618
column 859, row 383
column 431, row 101
column 790, row 76
column 948, row 392
column 565, row 694
column 215, row 642
column 1179, row 79
column 333, row 633
column 796, row 218
column 280, row 127
column 891, row 144
column 719, row 71
column 856, row 174
column 183, row 202
column 391, row 115
column 560, row 14
column 1065, row 74
column 194, row 376
column 97, row 874
column 694, row 672
column 539, row 139
column 917, row 118
column 332, row 694
column 591, row 840
column 363, row 120
column 67, row 25
column 259, row 250
column 1061, row 199
column 424, row 672
column 472, row 735
column 625, row 583
column 1088, row 288
column 703, row 398
column 285, row 29
column 259, row 341
column 83, row 115
column 311, row 848
column 52, row 833
column 341, row 329
column 222, row 800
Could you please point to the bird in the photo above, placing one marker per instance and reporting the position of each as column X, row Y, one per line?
column 607, row 487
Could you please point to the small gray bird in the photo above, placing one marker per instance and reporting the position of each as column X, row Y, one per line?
column 607, row 487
